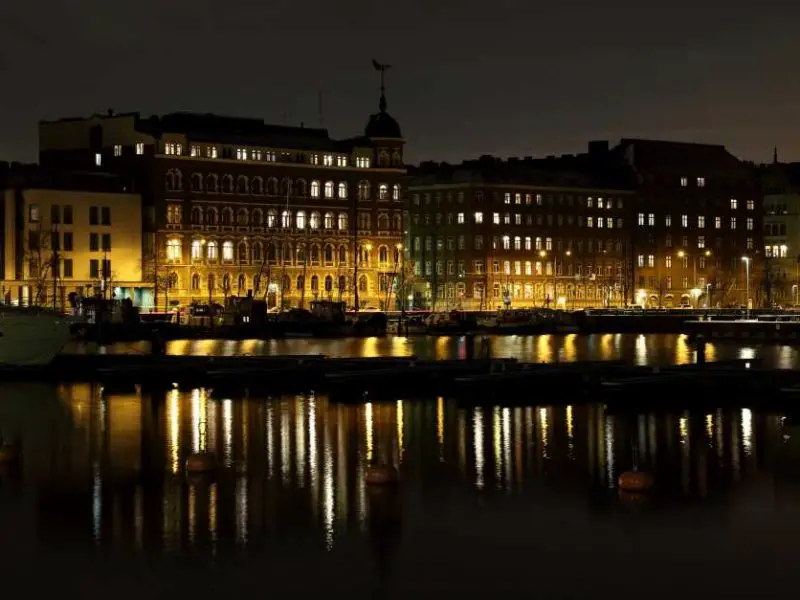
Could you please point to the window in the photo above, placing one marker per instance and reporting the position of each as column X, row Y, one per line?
column 734, row 204
column 34, row 215
column 67, row 241
column 701, row 262
column 460, row 218
column 668, row 220
column 383, row 192
column 751, row 205
column 684, row 181
column 117, row 150
column 197, row 250
column 227, row 250
column 590, row 221
column 342, row 190
column 733, row 222
column 106, row 242
column 67, row 216
column 717, row 222
column 94, row 243
column 315, row 189
column 173, row 249
column 749, row 245
column 496, row 218
column 362, row 162
column 68, row 267
column 507, row 219
column 668, row 261
column 506, row 243
column 395, row 192
column 651, row 260
column 300, row 219
column 684, row 220
column 548, row 244
column 94, row 268
column 701, row 182
column 106, row 216
column 211, row 251
column 327, row 160
column 517, row 198
column 341, row 161
column 701, row 241
column 98, row 159
column 749, row 224
column 640, row 260
column 139, row 148
column 329, row 189
column 342, row 221
column 641, row 219
column 651, row 219
column 701, row 222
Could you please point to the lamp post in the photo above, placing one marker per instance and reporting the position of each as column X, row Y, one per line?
column 747, row 260
column 707, row 253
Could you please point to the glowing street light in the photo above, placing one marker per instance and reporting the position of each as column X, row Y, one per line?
column 747, row 260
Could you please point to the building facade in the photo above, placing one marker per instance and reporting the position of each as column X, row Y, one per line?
column 235, row 206
column 64, row 234
column 696, row 235
column 781, row 184
column 519, row 233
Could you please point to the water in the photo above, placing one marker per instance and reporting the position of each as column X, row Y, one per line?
column 492, row 501
column 637, row 349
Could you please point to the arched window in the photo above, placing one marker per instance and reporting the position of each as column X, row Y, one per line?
column 397, row 222
column 286, row 187
column 197, row 215
column 342, row 190
column 226, row 283
column 272, row 253
column 328, row 220
column 258, row 251
column 241, row 185
column 227, row 216
column 257, row 186
column 286, row 283
column 211, row 251
column 227, row 184
column 242, row 252
column 241, row 283
column 212, row 184
column 342, row 284
column 195, row 282
column 212, row 282
column 173, row 180
column 342, row 255
column 258, row 217
column 314, row 283
column 212, row 217
column 197, row 250
column 301, row 188
column 383, row 192
column 227, row 251
column 272, row 218
column 383, row 255
column 196, row 182
column 287, row 254
column 383, row 221
column 328, row 284
column 174, row 250
column 242, row 217
column 300, row 219
column 300, row 283
column 362, row 283
column 315, row 189
column 172, row 281
column 363, row 190
column 395, row 192
column 328, row 254
column 314, row 221
column 301, row 254
column 342, row 221
column 314, row 254
column 272, row 186
column 286, row 219
column 329, row 189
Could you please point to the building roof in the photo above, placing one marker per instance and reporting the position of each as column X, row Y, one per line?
column 31, row 176
column 680, row 158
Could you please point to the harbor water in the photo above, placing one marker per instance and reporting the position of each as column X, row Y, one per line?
column 490, row 501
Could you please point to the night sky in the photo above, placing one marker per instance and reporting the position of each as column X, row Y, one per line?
column 468, row 77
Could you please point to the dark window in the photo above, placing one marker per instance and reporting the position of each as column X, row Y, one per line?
column 94, row 268
column 93, row 215
column 94, row 244
column 106, row 215
column 33, row 213
column 55, row 213
column 106, row 269
column 67, row 241
column 67, row 267
column 106, row 242
column 55, row 241
column 33, row 240
column 68, row 215
column 56, row 267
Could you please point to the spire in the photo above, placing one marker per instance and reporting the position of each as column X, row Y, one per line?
column 775, row 155
column 382, row 69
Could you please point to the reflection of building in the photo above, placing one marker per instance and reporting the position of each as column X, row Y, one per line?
column 235, row 205
column 781, row 233
column 522, row 231
column 698, row 214
column 68, row 233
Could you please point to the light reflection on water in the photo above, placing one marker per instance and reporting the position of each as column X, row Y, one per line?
column 293, row 467
column 636, row 348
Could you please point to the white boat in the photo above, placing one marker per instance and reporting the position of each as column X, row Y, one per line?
column 31, row 337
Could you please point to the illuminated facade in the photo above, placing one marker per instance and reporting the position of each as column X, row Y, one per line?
column 520, row 233
column 235, row 206
column 63, row 234
column 696, row 225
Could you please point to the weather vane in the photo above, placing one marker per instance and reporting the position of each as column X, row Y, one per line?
column 382, row 68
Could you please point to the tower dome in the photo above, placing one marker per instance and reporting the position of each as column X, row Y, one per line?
column 381, row 124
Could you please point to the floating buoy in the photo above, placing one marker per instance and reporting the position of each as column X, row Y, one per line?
column 635, row 481
column 381, row 475
column 201, row 462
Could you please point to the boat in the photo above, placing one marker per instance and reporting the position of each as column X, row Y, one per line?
column 31, row 336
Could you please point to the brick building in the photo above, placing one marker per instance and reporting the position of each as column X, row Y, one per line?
column 235, row 206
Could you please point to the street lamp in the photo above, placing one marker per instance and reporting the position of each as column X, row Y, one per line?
column 747, row 260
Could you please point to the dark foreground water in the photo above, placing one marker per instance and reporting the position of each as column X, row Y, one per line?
column 517, row 502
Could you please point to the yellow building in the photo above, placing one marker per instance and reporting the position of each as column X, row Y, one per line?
column 56, row 240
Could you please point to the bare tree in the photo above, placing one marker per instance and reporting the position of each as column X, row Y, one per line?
column 40, row 259
column 161, row 276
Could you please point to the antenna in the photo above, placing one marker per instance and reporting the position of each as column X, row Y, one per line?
column 320, row 112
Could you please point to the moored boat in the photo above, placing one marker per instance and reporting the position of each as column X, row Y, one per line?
column 31, row 337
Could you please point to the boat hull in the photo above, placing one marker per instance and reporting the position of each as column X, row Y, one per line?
column 32, row 339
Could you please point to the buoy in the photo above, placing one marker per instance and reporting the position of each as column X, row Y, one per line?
column 635, row 481
column 381, row 475
column 201, row 462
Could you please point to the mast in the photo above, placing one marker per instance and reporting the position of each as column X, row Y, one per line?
column 356, row 253
column 283, row 241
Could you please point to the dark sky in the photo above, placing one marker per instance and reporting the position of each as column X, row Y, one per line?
column 469, row 77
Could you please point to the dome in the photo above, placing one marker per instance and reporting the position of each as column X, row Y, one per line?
column 382, row 124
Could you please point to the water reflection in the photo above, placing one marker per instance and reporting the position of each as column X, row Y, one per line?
column 298, row 462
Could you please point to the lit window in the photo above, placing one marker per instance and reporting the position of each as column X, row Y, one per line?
column 174, row 250
column 383, row 192
column 341, row 161
column 255, row 154
column 749, row 245
column 548, row 243
column 460, row 218
column 701, row 241
column 241, row 153
column 211, row 251
column 701, row 182
column 362, row 162
column 300, row 219
column 506, row 243
column 751, row 205
column 701, row 222
column 517, row 219
column 733, row 222
column 641, row 219
column 479, row 217
column 684, row 220
column 651, row 260
column 538, row 199
column 342, row 190
column 590, row 221
column 609, row 222
column 749, row 223
column 517, row 198
column 668, row 261
column 717, row 222
column 668, row 220
column 640, row 260
column 139, row 147
column 197, row 250
column 507, row 198
column 527, row 243
column 496, row 218
column 651, row 219
column 734, row 204
column 315, row 189
column 517, row 243
column 227, row 250
column 395, row 192
column 538, row 243
column 507, row 219
column 684, row 181
column 313, row 159
column 327, row 160
column 98, row 159
column 117, row 150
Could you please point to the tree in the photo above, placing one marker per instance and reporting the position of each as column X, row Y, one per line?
column 41, row 260
column 160, row 275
